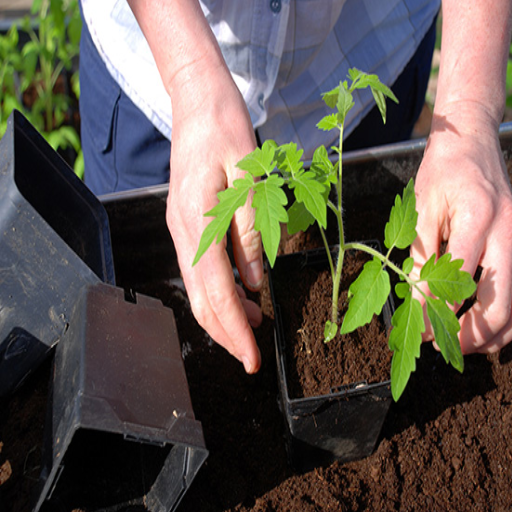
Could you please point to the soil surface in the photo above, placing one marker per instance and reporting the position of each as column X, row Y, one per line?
column 445, row 446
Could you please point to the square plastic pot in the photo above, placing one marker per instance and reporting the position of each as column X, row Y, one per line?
column 121, row 432
column 343, row 425
column 55, row 240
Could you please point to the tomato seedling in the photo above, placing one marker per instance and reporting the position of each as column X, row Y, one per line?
column 272, row 167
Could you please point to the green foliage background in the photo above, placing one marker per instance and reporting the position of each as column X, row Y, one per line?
column 36, row 51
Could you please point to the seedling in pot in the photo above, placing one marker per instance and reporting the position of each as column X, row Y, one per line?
column 283, row 165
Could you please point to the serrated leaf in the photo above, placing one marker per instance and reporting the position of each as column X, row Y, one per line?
column 259, row 162
column 322, row 166
column 405, row 342
column 401, row 290
column 328, row 123
column 344, row 104
column 269, row 200
column 355, row 74
column 408, row 265
column 446, row 280
column 299, row 218
column 400, row 230
column 377, row 85
column 331, row 97
column 380, row 101
column 312, row 193
column 369, row 293
column 446, row 327
column 362, row 80
column 330, row 331
column 229, row 201
column 288, row 158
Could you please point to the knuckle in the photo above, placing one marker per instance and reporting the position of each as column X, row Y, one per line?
column 219, row 299
column 498, row 317
column 201, row 312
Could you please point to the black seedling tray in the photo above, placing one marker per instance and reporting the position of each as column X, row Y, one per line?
column 121, row 432
column 54, row 238
column 343, row 425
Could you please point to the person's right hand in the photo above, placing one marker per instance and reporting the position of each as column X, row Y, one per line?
column 211, row 132
column 210, row 135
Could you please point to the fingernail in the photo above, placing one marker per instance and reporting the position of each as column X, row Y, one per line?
column 254, row 274
column 247, row 364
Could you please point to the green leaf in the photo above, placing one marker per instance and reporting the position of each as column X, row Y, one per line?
column 330, row 331
column 63, row 137
column 369, row 293
column 331, row 97
column 322, row 166
column 400, row 230
column 299, row 218
column 261, row 161
column 229, row 201
column 379, row 90
column 377, row 85
column 355, row 75
column 328, row 123
column 269, row 200
column 405, row 342
column 446, row 280
column 288, row 158
column 344, row 104
column 445, row 326
column 402, row 289
column 408, row 265
column 312, row 193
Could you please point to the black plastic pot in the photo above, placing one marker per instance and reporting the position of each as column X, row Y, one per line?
column 343, row 425
column 54, row 238
column 121, row 432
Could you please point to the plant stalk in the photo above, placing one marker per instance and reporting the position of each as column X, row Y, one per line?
column 387, row 262
column 339, row 215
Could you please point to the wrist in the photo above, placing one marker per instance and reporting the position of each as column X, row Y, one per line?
column 466, row 117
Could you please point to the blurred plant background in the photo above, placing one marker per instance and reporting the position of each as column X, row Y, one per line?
column 508, row 108
column 39, row 74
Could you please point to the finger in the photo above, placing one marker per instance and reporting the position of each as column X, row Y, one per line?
column 213, row 298
column 252, row 310
column 426, row 243
column 499, row 341
column 219, row 309
column 247, row 247
column 487, row 323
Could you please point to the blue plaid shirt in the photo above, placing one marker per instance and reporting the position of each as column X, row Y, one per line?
column 282, row 54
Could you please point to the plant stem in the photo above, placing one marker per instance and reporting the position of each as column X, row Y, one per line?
column 326, row 245
column 387, row 262
column 339, row 215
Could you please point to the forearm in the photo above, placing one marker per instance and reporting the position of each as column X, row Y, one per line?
column 184, row 48
column 474, row 50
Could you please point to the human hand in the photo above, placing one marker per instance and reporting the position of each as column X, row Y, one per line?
column 211, row 132
column 209, row 138
column 464, row 198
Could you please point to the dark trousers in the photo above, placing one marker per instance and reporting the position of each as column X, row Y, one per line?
column 123, row 150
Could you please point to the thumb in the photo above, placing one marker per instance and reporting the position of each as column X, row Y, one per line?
column 247, row 246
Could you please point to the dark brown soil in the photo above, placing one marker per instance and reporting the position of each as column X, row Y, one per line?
column 445, row 446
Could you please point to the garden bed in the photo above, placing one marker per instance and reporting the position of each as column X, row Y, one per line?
column 445, row 445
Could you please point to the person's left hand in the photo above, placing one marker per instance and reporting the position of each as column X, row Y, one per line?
column 464, row 198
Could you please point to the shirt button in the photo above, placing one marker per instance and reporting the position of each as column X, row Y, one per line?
column 261, row 97
column 275, row 6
